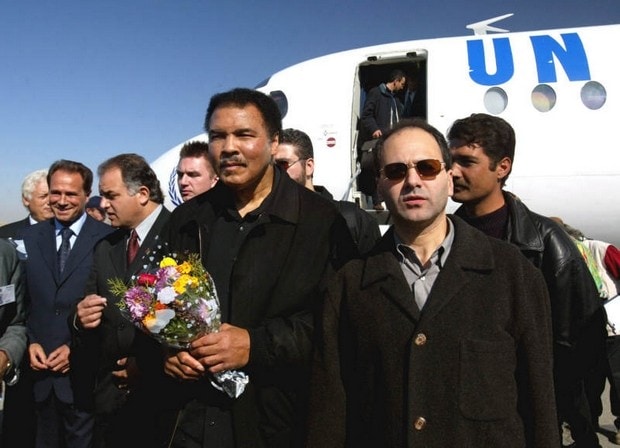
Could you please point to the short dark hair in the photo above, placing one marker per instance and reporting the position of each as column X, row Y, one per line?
column 69, row 166
column 136, row 173
column 412, row 123
column 300, row 140
column 241, row 97
column 396, row 74
column 195, row 148
column 493, row 134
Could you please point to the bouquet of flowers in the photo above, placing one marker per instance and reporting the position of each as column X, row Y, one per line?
column 175, row 304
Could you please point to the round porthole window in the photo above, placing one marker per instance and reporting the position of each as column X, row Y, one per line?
column 281, row 100
column 495, row 100
column 543, row 98
column 593, row 95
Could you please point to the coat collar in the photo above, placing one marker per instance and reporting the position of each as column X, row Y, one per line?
column 522, row 230
column 471, row 252
column 282, row 203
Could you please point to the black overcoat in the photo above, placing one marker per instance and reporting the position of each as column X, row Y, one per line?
column 277, row 282
column 473, row 369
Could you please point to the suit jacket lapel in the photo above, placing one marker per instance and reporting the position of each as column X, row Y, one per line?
column 152, row 245
column 382, row 267
column 82, row 247
column 46, row 242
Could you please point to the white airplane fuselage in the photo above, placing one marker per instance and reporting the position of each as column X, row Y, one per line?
column 559, row 89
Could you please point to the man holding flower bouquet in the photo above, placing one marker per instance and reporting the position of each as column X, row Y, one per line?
column 270, row 245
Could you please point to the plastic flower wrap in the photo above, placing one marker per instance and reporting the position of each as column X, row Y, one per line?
column 176, row 303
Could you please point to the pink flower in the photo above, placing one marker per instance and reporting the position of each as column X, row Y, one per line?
column 138, row 302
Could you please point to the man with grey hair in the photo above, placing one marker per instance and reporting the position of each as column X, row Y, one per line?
column 114, row 366
column 35, row 198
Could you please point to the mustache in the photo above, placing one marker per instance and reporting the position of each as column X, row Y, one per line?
column 231, row 160
column 460, row 184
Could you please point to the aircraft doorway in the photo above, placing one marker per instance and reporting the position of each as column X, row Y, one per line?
column 411, row 100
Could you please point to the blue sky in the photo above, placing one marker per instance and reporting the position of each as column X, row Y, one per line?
column 86, row 80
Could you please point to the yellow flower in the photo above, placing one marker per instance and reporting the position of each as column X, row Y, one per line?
column 166, row 262
column 181, row 284
column 184, row 268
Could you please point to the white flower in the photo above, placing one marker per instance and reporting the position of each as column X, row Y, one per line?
column 159, row 322
column 166, row 295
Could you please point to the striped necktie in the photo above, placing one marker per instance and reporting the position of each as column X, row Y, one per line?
column 65, row 247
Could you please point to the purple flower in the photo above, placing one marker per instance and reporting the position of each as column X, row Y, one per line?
column 138, row 302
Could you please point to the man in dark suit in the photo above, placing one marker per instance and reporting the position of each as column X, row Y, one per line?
column 441, row 336
column 60, row 253
column 118, row 368
column 35, row 194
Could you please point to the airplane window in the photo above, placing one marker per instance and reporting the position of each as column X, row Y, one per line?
column 280, row 98
column 495, row 100
column 543, row 98
column 593, row 95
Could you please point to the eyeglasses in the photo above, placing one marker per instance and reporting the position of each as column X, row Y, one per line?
column 285, row 164
column 426, row 168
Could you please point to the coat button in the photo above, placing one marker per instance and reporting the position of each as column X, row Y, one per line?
column 419, row 423
column 420, row 339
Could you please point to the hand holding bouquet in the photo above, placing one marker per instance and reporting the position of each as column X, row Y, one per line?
column 176, row 304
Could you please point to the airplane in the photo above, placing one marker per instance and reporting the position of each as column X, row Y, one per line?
column 558, row 88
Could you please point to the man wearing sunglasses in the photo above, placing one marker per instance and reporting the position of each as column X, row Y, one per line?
column 441, row 336
column 295, row 155
column 482, row 148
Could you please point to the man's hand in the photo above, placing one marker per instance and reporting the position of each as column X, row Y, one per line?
column 377, row 133
column 58, row 360
column 128, row 373
column 182, row 366
column 225, row 350
column 4, row 360
column 38, row 359
column 90, row 310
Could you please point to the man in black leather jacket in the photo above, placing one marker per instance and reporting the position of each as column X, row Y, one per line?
column 295, row 155
column 482, row 147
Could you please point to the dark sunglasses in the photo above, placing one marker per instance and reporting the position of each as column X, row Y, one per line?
column 285, row 164
column 425, row 168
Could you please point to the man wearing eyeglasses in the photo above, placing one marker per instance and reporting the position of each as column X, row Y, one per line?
column 441, row 336
column 482, row 148
column 295, row 154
